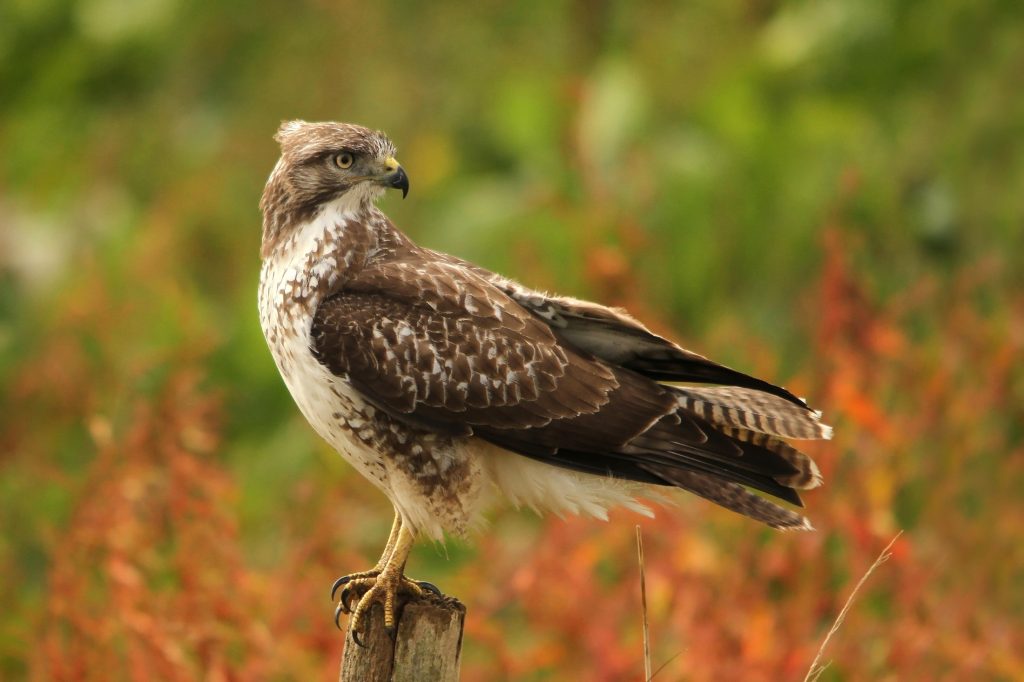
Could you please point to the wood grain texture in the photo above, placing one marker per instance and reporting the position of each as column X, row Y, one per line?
column 427, row 648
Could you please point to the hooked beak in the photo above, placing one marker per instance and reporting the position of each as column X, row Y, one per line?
column 395, row 176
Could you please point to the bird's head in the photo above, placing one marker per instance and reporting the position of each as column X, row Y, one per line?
column 328, row 162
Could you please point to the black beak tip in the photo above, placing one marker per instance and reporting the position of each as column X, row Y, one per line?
column 401, row 181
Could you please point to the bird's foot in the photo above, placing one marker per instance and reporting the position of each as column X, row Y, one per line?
column 359, row 591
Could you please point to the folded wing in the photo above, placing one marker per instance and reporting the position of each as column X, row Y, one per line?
column 441, row 345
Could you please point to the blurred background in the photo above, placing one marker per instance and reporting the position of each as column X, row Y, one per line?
column 829, row 194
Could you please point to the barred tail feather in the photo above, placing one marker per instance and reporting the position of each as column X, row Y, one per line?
column 806, row 475
column 734, row 497
column 730, row 406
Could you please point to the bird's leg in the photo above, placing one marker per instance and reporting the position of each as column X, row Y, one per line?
column 356, row 584
column 386, row 587
column 382, row 583
column 396, row 525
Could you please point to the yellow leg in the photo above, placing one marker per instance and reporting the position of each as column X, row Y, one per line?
column 386, row 586
column 382, row 583
column 396, row 525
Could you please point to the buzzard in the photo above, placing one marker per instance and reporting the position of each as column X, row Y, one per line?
column 446, row 385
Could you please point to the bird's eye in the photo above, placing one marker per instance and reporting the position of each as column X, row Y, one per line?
column 344, row 160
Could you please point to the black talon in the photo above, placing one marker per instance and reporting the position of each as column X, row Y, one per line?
column 343, row 604
column 430, row 587
column 337, row 617
column 392, row 632
column 338, row 583
column 355, row 638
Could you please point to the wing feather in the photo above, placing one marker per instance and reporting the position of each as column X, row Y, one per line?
column 613, row 335
column 439, row 344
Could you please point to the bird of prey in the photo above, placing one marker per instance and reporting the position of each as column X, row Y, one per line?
column 447, row 385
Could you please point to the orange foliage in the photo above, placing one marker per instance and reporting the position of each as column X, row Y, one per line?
column 150, row 579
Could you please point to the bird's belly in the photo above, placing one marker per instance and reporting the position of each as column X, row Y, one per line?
column 339, row 415
column 432, row 479
column 437, row 483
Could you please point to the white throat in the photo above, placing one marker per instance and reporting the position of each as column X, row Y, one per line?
column 358, row 199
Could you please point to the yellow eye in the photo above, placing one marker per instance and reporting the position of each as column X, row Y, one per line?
column 344, row 160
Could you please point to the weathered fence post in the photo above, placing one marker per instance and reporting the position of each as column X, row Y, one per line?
column 426, row 648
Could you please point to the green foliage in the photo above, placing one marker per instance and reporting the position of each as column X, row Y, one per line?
column 828, row 193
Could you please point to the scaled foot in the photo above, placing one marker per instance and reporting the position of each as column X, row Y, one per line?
column 360, row 590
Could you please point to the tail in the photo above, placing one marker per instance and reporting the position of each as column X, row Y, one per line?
column 727, row 439
column 751, row 410
column 735, row 497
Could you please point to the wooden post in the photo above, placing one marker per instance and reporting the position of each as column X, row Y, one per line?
column 427, row 647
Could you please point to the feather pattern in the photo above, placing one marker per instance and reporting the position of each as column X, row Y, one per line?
column 616, row 337
column 754, row 411
column 805, row 476
column 439, row 379
column 736, row 498
column 441, row 347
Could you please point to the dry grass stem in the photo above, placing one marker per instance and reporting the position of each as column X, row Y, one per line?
column 814, row 672
column 643, row 604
